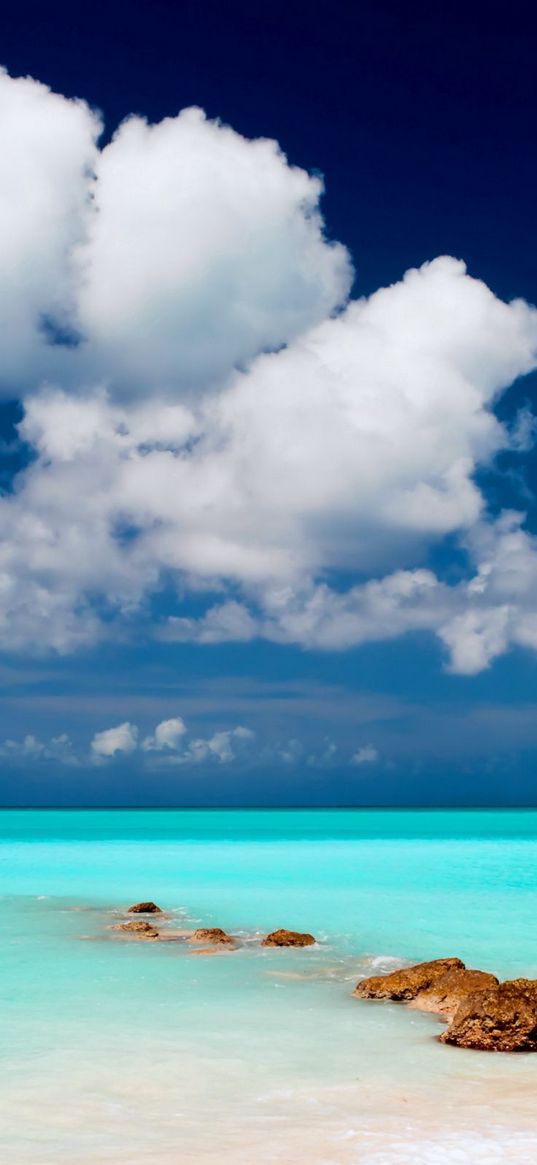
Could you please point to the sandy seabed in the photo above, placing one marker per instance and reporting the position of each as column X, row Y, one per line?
column 208, row 1116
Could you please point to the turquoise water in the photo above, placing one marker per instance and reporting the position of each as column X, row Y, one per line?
column 118, row 1051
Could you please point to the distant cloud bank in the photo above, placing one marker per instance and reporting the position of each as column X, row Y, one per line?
column 172, row 745
column 205, row 406
column 122, row 740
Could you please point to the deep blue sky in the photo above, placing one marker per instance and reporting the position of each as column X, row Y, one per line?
column 421, row 117
column 422, row 120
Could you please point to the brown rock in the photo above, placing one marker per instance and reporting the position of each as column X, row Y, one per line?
column 144, row 908
column 137, row 929
column 447, row 992
column 406, row 983
column 527, row 985
column 502, row 1018
column 288, row 938
column 211, row 934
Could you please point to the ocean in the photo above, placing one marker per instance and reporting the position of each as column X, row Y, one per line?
column 147, row 1054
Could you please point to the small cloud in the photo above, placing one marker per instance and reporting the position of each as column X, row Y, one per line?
column 291, row 752
column 221, row 743
column 122, row 738
column 59, row 748
column 366, row 755
column 167, row 734
column 523, row 431
column 229, row 622
column 169, row 739
column 324, row 759
column 30, row 746
column 221, row 747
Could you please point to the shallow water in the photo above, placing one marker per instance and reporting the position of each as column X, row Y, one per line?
column 129, row 1052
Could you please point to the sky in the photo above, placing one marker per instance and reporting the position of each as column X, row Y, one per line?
column 268, row 353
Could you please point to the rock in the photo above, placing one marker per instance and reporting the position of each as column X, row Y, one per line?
column 288, row 938
column 448, row 991
column 406, row 983
column 218, row 951
column 212, row 934
column 144, row 908
column 529, row 986
column 502, row 1018
column 138, row 929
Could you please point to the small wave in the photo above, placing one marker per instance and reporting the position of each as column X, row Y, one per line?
column 385, row 961
column 498, row 1147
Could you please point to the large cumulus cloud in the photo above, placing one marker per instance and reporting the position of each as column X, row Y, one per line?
column 47, row 152
column 219, row 421
column 166, row 259
column 202, row 249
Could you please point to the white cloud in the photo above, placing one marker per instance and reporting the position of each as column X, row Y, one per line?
column 182, row 251
column 326, row 758
column 47, row 146
column 169, row 744
column 221, row 747
column 30, row 748
column 292, row 752
column 232, row 262
column 167, row 735
column 366, row 755
column 476, row 619
column 123, row 738
column 243, row 490
column 228, row 622
column 176, row 253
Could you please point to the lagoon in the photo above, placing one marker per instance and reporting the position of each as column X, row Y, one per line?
column 126, row 1052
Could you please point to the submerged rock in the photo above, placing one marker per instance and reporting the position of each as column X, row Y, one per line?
column 175, row 936
column 137, row 929
column 406, row 983
column 288, row 938
column 144, row 908
column 212, row 934
column 447, row 992
column 218, row 951
column 502, row 1018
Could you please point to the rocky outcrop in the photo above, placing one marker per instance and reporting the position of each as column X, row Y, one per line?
column 288, row 938
column 137, row 929
column 212, row 934
column 447, row 992
column 406, row 983
column 529, row 986
column 144, row 908
column 503, row 1018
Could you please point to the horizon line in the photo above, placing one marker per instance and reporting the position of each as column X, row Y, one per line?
column 264, row 808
